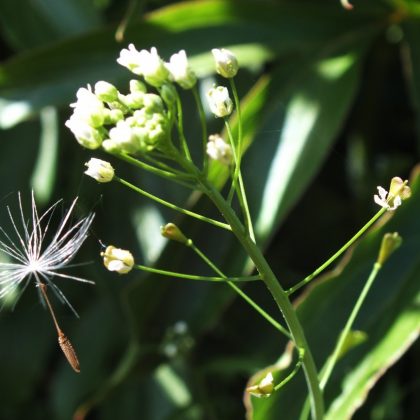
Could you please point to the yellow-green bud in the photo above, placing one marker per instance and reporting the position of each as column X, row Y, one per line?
column 172, row 231
column 390, row 243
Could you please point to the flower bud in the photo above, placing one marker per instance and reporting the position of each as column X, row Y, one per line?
column 112, row 116
column 119, row 260
column 100, row 170
column 123, row 136
column 86, row 135
column 219, row 150
column 219, row 101
column 168, row 94
column 106, row 91
column 132, row 100
column 153, row 103
column 390, row 243
column 399, row 188
column 172, row 231
column 137, row 86
column 180, row 70
column 264, row 388
column 226, row 62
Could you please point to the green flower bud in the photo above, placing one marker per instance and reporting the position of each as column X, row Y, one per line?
column 106, row 91
column 153, row 103
column 133, row 100
column 168, row 94
column 390, row 243
column 137, row 86
column 112, row 116
column 172, row 231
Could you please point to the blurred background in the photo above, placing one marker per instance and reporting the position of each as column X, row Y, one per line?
column 331, row 110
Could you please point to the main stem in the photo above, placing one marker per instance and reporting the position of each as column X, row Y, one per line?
column 279, row 295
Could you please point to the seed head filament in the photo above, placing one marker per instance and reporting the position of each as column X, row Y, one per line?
column 63, row 341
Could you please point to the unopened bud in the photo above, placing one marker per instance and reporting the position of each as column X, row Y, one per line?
column 172, row 231
column 100, row 170
column 226, row 62
column 119, row 260
column 106, row 91
column 390, row 243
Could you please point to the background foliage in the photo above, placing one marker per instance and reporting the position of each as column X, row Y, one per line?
column 331, row 107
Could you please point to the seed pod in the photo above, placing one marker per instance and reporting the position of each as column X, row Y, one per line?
column 68, row 351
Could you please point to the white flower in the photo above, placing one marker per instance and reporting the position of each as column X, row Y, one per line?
column 219, row 101
column 381, row 199
column 180, row 70
column 119, row 260
column 32, row 258
column 219, row 150
column 131, row 59
column 398, row 191
column 88, row 107
column 146, row 64
column 226, row 62
column 100, row 170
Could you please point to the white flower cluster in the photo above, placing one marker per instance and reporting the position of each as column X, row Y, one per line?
column 154, row 70
column 139, row 121
column 136, row 122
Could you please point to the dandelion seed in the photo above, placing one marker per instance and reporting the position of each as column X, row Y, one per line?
column 32, row 258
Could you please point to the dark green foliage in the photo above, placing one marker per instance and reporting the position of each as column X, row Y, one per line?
column 331, row 110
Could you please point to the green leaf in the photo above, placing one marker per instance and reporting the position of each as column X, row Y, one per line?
column 28, row 24
column 51, row 76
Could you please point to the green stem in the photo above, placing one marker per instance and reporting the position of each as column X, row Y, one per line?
column 202, row 116
column 293, row 372
column 332, row 360
column 327, row 370
column 239, row 186
column 184, row 145
column 180, row 179
column 193, row 276
column 239, row 144
column 242, row 294
column 338, row 253
column 278, row 294
column 172, row 206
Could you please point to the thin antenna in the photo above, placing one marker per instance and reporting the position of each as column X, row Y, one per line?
column 63, row 341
